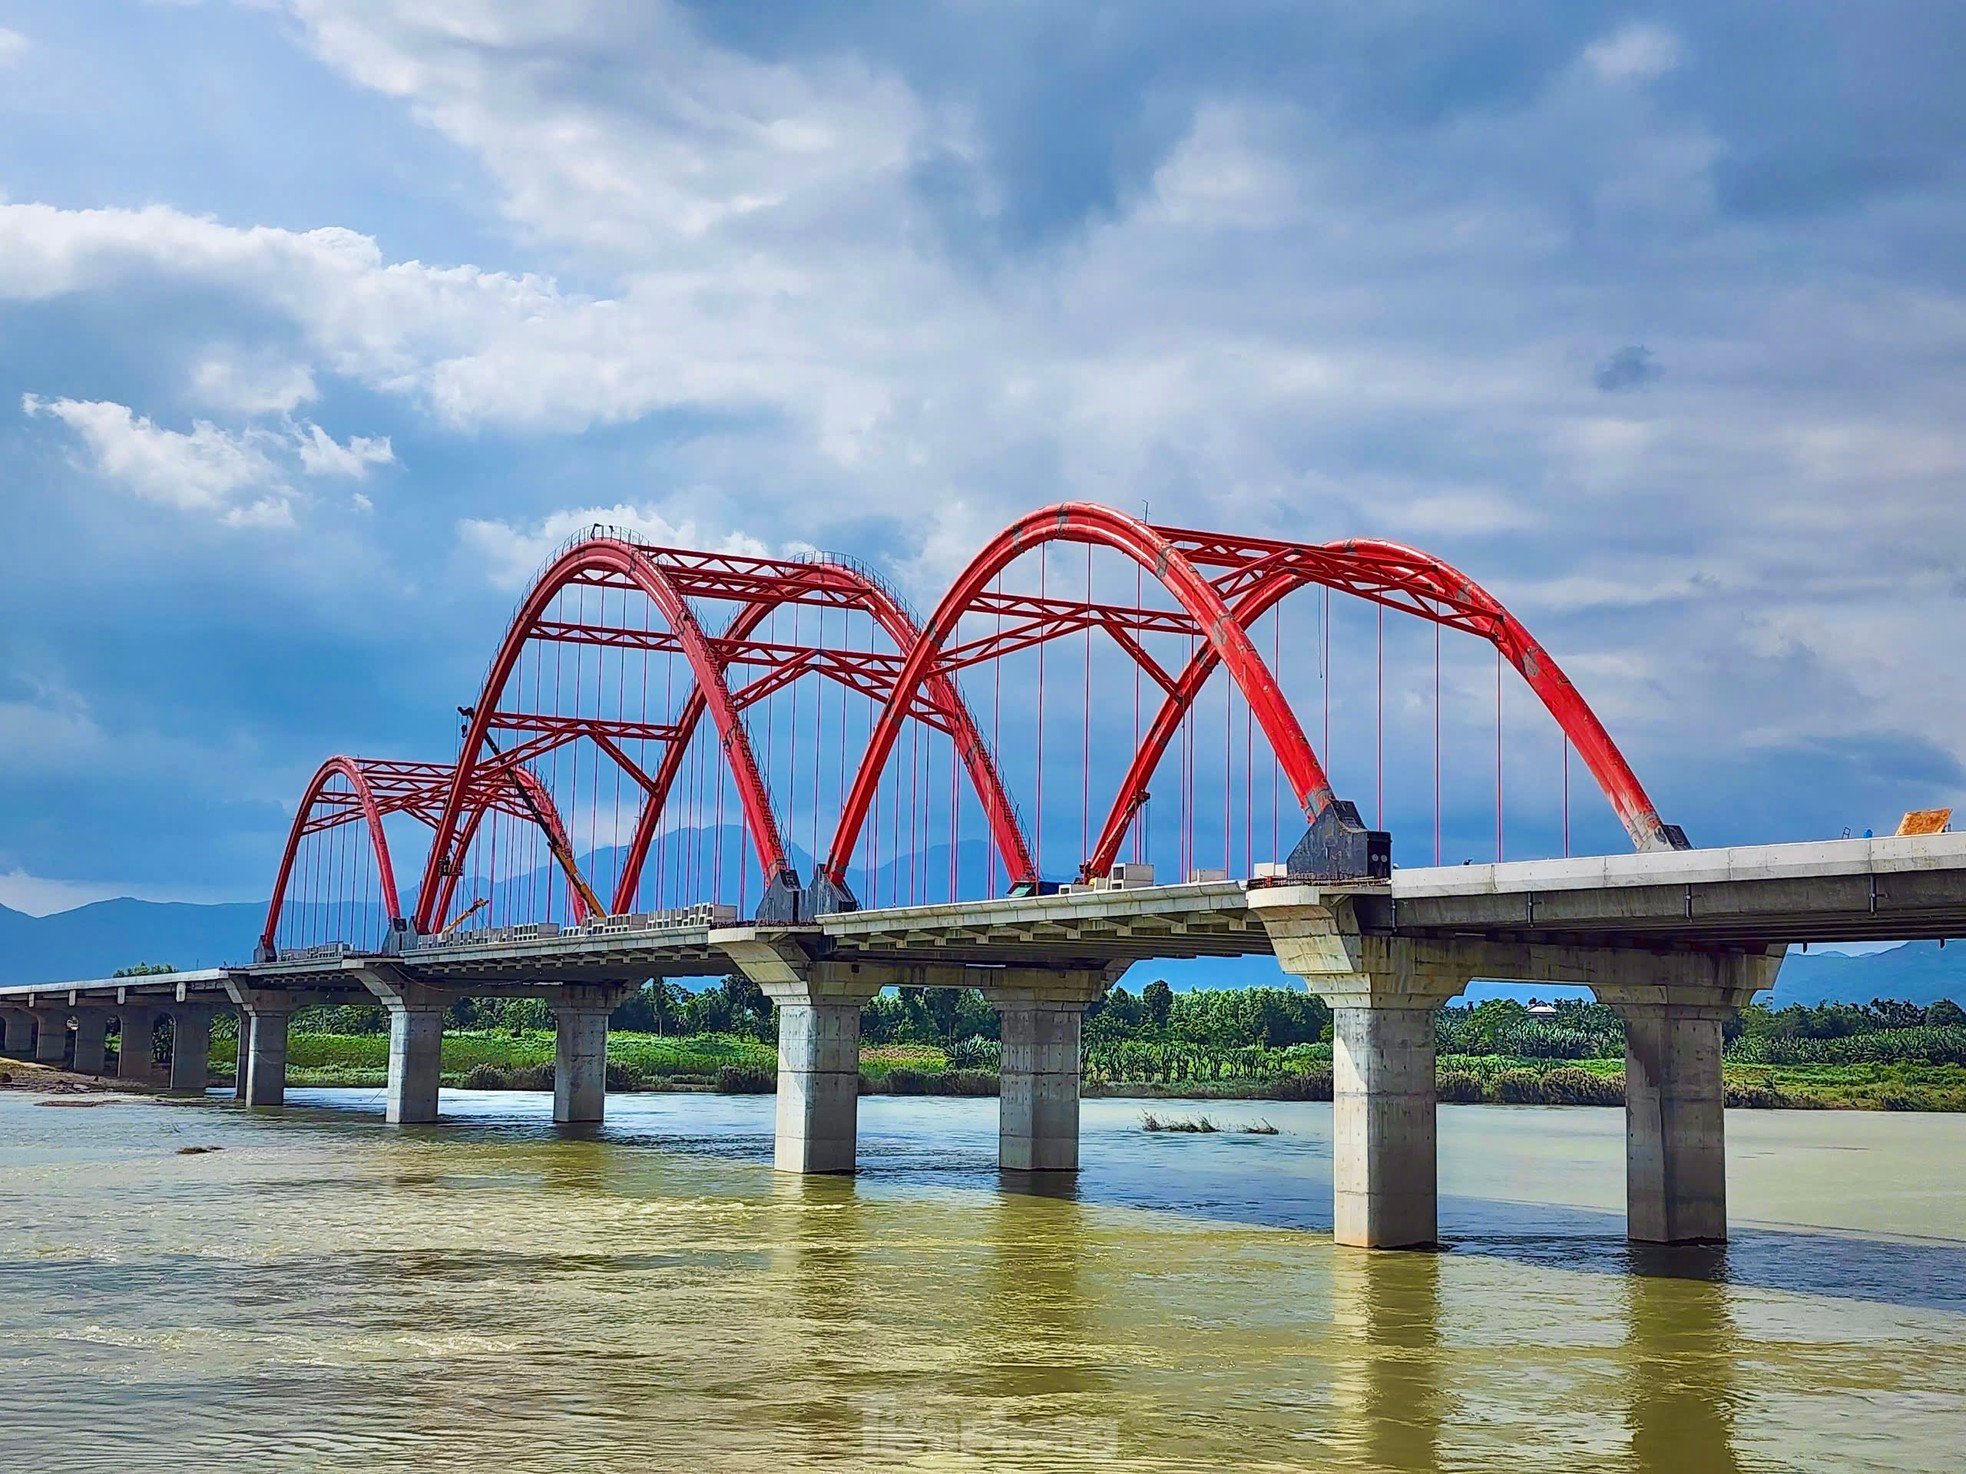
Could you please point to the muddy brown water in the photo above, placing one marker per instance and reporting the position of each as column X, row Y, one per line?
column 496, row 1294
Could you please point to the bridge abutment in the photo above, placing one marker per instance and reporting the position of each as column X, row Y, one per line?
column 580, row 1052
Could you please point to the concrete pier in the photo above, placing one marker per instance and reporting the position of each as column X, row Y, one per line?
column 818, row 1122
column 1383, row 992
column 1384, row 1155
column 818, row 1004
column 191, row 1049
column 1675, row 1125
column 1038, row 1107
column 18, row 1025
column 50, row 1035
column 580, row 1053
column 416, row 1038
column 264, row 1051
column 136, row 1043
column 91, row 1041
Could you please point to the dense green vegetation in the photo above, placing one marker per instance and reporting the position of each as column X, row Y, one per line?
column 1271, row 1043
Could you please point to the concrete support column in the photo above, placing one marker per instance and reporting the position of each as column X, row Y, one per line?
column 191, row 1049
column 91, row 1041
column 1675, row 1125
column 818, row 1004
column 1383, row 991
column 416, row 1038
column 239, row 1057
column 580, row 1052
column 19, row 1030
column 1674, row 1008
column 50, row 1035
column 1384, row 1168
column 264, row 1053
column 136, row 1047
column 1038, row 1110
column 818, row 1120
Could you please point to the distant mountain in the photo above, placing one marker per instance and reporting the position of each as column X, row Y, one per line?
column 1917, row 972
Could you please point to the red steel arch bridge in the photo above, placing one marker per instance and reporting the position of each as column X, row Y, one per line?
column 1109, row 741
column 659, row 728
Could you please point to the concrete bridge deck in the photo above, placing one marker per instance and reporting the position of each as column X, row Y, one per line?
column 1676, row 941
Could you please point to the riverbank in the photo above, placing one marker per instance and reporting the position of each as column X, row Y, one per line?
column 731, row 1064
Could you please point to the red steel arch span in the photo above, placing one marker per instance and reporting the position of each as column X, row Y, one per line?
column 1221, row 584
column 378, row 788
column 671, row 578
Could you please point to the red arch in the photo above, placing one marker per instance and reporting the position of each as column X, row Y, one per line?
column 1382, row 571
column 1150, row 548
column 351, row 769
column 397, row 795
column 875, row 600
column 616, row 556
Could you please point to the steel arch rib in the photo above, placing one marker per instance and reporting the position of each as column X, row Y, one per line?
column 351, row 769
column 617, row 556
column 1437, row 580
column 1006, row 832
column 1085, row 522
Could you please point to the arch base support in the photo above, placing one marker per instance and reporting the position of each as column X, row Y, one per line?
column 1338, row 846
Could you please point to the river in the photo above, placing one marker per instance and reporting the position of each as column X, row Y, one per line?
column 497, row 1296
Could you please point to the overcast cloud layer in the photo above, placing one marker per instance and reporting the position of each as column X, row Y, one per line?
column 320, row 322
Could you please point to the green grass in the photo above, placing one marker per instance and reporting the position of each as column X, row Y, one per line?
column 362, row 1060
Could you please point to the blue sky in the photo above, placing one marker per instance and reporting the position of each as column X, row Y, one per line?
column 321, row 321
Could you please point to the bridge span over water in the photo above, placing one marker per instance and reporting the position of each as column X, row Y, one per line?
column 1674, row 940
column 983, row 796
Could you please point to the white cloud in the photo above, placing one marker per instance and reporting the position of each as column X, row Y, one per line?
column 509, row 555
column 1635, row 53
column 238, row 476
column 252, row 383
column 322, row 455
column 13, row 46
column 205, row 469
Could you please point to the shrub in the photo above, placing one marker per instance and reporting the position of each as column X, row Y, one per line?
column 746, row 1080
column 1458, row 1086
column 970, row 1082
column 907, row 1082
column 531, row 1077
column 1518, row 1087
column 486, row 1077
column 623, row 1077
column 1755, row 1095
column 1581, row 1087
column 975, row 1053
column 1311, row 1085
